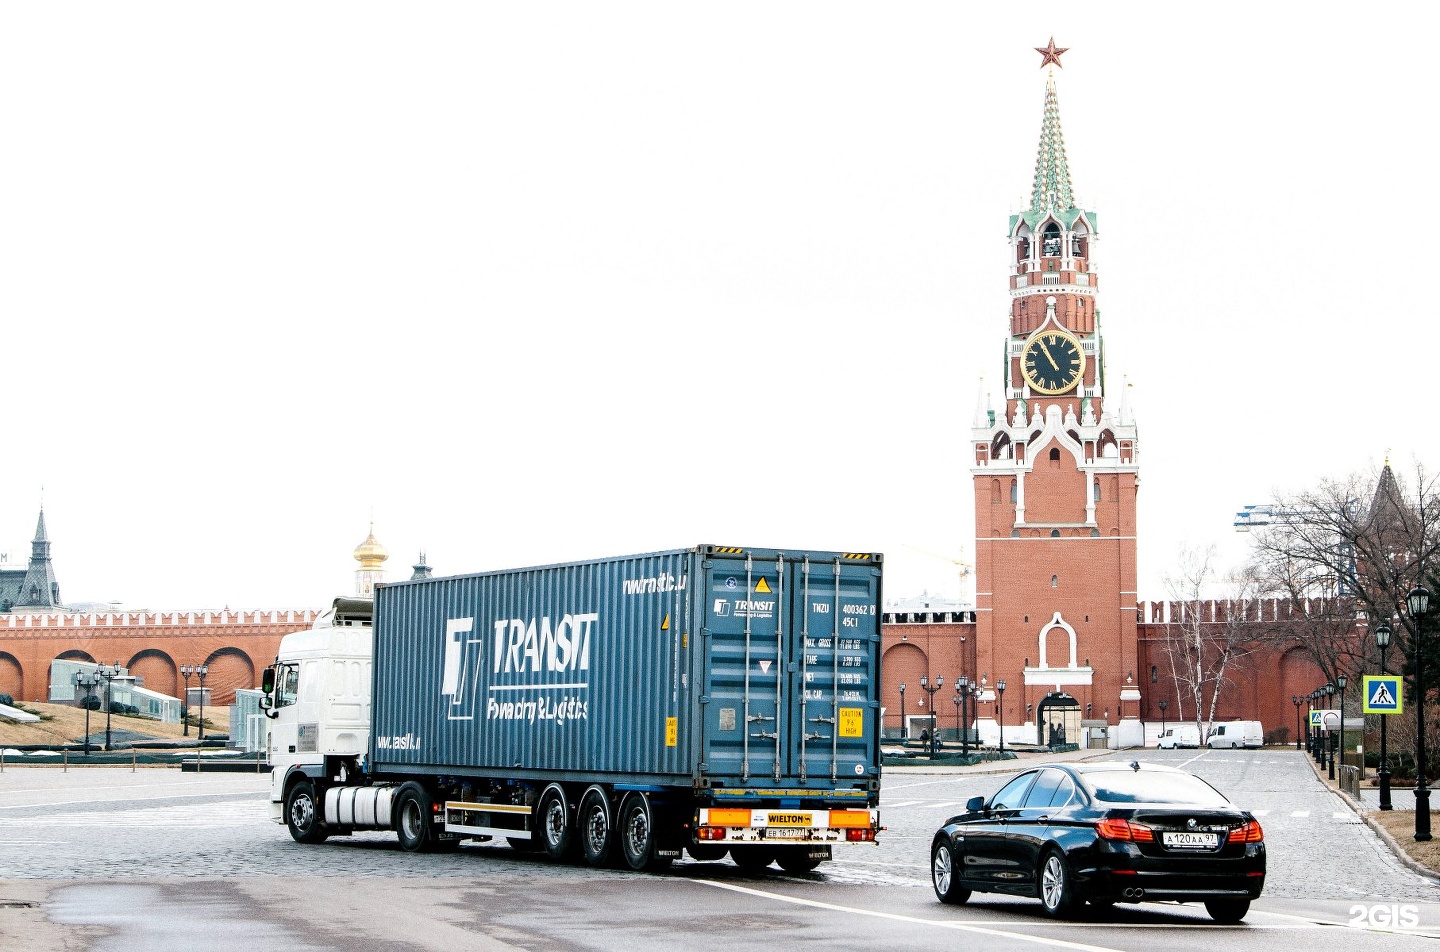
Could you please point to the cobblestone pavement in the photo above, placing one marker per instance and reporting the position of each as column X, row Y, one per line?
column 107, row 823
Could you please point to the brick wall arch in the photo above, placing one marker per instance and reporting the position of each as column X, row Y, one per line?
column 12, row 676
column 230, row 668
column 75, row 654
column 157, row 671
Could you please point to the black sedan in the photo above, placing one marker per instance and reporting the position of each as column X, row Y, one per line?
column 1103, row 833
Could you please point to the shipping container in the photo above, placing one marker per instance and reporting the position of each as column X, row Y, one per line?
column 726, row 697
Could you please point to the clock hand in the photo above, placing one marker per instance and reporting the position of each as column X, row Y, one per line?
column 1046, row 351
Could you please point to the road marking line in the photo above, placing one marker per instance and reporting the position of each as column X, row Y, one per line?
column 902, row 803
column 1319, row 922
column 896, row 917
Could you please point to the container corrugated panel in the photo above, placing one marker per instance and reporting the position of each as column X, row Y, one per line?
column 728, row 665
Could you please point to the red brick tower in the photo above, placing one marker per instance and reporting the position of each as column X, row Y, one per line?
column 1055, row 483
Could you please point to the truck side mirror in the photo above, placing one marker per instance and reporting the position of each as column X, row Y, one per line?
column 267, row 681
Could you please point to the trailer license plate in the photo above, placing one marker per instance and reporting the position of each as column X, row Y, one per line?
column 784, row 833
column 1191, row 841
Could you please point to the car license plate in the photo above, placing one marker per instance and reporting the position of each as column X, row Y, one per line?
column 1191, row 841
column 784, row 833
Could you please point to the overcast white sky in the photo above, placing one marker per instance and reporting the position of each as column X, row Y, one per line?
column 542, row 282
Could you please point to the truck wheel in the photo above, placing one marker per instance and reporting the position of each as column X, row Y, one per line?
column 302, row 814
column 412, row 821
column 552, row 824
column 637, row 835
column 752, row 859
column 796, row 859
column 597, row 836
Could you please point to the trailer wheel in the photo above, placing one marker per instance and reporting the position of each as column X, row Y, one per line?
column 752, row 859
column 412, row 820
column 302, row 814
column 597, row 836
column 552, row 823
column 638, row 834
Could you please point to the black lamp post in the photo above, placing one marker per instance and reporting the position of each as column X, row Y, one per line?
column 200, row 672
column 1418, row 601
column 89, row 681
column 931, row 690
column 186, row 670
column 1315, row 697
column 1382, row 638
column 1340, row 682
column 109, row 672
column 1329, row 737
column 1295, row 699
column 1163, row 705
column 904, row 728
column 956, row 699
column 962, row 696
column 1000, row 706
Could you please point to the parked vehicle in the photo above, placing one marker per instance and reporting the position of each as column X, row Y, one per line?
column 1103, row 833
column 1237, row 734
column 715, row 700
column 1181, row 735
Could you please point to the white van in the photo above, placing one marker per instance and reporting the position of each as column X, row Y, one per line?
column 1181, row 735
column 1237, row 734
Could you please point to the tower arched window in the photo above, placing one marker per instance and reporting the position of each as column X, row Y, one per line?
column 1054, row 533
column 1054, row 581
column 1014, row 492
column 1050, row 246
column 1055, row 454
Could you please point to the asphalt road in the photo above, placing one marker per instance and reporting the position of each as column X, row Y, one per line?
column 106, row 859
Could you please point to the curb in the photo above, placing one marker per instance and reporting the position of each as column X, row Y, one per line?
column 1358, row 806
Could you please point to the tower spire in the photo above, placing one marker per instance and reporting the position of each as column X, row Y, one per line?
column 1052, row 191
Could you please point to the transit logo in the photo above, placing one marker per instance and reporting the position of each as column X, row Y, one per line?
column 521, row 646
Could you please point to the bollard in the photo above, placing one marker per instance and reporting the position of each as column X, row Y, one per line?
column 65, row 761
column 132, row 759
column 2, row 759
column 257, row 763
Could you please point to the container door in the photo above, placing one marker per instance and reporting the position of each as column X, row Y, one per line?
column 834, row 720
column 746, row 619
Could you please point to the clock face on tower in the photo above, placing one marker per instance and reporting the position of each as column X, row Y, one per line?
column 1052, row 362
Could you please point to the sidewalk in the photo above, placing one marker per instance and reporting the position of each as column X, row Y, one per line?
column 1022, row 760
column 1420, row 858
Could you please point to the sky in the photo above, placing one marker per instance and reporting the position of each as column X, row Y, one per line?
column 527, row 283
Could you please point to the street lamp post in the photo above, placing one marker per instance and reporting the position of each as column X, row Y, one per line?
column 1382, row 638
column 1329, row 746
column 1418, row 601
column 1295, row 699
column 89, row 681
column 1340, row 681
column 956, row 699
column 1000, row 706
column 109, row 672
column 186, row 670
column 904, row 728
column 930, row 689
column 962, row 696
column 1163, row 705
column 200, row 672
column 1315, row 697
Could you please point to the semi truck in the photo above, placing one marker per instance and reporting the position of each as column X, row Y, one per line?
column 715, row 700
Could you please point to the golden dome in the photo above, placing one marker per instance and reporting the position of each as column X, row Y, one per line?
column 370, row 553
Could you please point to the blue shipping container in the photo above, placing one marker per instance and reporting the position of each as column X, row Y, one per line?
column 722, row 668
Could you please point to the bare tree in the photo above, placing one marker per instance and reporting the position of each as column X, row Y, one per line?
column 1209, row 640
column 1352, row 549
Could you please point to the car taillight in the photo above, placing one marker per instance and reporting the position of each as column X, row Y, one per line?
column 1249, row 832
column 1122, row 829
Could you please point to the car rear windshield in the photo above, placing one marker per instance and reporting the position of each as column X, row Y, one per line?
column 1139, row 786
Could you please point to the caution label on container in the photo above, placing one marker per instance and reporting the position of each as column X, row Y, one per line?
column 672, row 731
column 762, row 586
column 852, row 722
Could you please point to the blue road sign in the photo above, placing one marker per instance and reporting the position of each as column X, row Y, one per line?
column 1382, row 694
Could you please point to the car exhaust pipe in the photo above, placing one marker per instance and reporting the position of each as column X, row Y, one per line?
column 1133, row 893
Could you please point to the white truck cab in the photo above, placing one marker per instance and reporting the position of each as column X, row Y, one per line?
column 317, row 694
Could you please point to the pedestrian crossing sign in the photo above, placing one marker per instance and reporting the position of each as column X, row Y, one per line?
column 1382, row 694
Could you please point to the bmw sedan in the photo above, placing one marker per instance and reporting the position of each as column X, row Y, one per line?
column 1103, row 833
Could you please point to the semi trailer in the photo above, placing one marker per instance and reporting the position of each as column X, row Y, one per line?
column 710, row 700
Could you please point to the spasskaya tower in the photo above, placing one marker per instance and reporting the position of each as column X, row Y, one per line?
column 1056, row 477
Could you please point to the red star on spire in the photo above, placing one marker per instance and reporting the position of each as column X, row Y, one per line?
column 1051, row 53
